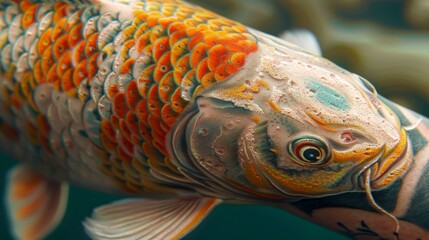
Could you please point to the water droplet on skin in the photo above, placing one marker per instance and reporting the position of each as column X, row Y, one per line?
column 203, row 132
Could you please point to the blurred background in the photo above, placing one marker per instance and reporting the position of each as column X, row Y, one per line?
column 385, row 41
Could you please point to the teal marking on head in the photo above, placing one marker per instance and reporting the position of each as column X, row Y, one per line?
column 327, row 96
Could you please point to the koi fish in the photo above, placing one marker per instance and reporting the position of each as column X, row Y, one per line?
column 170, row 102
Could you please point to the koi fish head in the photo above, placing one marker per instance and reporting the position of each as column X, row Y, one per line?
column 290, row 124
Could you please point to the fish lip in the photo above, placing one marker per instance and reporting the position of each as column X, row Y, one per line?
column 385, row 170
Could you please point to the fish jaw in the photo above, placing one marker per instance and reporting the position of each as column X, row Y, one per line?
column 393, row 164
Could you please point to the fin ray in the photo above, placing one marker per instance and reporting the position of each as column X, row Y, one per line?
column 35, row 205
column 150, row 219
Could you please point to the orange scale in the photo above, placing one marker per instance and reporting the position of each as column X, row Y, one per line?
column 216, row 56
column 141, row 111
column 114, row 120
column 202, row 68
column 44, row 41
column 240, row 28
column 75, row 35
column 231, row 68
column 204, row 15
column 141, row 28
column 120, row 107
column 154, row 104
column 129, row 31
column 59, row 28
column 181, row 68
column 145, row 131
column 92, row 66
column 80, row 72
column 203, row 26
column 143, row 85
column 197, row 54
column 78, row 52
column 108, row 131
column 221, row 73
column 127, row 145
column 156, row 33
column 166, row 21
column 178, row 50
column 210, row 40
column 24, row 5
column 192, row 31
column 190, row 22
column 150, row 151
column 107, row 144
column 238, row 59
column 60, row 46
column 67, row 80
column 233, row 47
column 253, row 47
column 64, row 63
column 162, row 67
column 197, row 38
column 217, row 23
column 166, row 87
column 176, row 26
column 147, row 50
column 132, row 95
column 132, row 123
column 152, row 19
column 155, row 127
column 125, row 52
column 127, row 66
column 52, row 75
column 26, row 80
column 176, row 36
column 123, row 128
column 245, row 44
column 230, row 38
column 168, row 115
column 38, row 72
column 29, row 16
column 112, row 90
column 91, row 44
column 60, row 11
column 140, row 14
column 208, row 79
column 177, row 102
column 160, row 47
column 123, row 156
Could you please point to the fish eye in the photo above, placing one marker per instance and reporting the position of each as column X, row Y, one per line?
column 309, row 151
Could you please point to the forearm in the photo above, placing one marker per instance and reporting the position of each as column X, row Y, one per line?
column 407, row 199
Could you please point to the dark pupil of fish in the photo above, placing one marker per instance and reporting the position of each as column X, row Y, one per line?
column 311, row 155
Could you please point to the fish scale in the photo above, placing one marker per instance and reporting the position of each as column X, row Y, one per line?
column 121, row 83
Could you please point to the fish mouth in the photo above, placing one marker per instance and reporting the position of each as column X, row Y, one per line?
column 392, row 164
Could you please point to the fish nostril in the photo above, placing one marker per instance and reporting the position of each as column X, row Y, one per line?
column 347, row 137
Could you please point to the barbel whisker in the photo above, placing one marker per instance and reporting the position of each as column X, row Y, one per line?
column 375, row 205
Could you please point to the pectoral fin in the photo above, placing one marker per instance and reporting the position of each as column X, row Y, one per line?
column 148, row 219
column 35, row 205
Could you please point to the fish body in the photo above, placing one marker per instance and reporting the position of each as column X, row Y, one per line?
column 166, row 100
